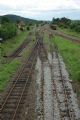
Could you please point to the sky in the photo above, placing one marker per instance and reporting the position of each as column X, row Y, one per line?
column 41, row 9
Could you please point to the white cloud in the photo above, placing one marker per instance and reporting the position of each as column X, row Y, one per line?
column 36, row 7
column 41, row 4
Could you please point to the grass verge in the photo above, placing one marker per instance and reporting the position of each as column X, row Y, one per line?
column 10, row 45
column 71, row 55
column 6, row 72
column 7, row 69
column 70, row 32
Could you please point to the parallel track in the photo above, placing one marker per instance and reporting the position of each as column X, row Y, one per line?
column 15, row 99
column 13, row 104
column 69, row 112
column 16, row 52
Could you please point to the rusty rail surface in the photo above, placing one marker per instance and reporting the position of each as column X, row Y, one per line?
column 69, row 109
column 10, row 109
column 17, row 51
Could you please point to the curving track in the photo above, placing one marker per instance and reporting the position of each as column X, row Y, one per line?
column 15, row 99
column 63, row 92
column 55, row 99
column 16, row 52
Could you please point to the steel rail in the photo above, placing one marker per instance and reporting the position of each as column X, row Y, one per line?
column 71, row 116
column 17, row 79
column 14, row 115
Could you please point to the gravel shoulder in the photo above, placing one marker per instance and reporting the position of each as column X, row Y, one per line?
column 51, row 104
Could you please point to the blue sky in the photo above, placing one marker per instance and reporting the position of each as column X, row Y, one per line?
column 41, row 9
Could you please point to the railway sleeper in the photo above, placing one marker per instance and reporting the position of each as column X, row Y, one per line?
column 11, row 110
column 25, row 74
column 13, row 98
column 18, row 87
column 18, row 95
column 17, row 90
column 7, row 111
column 9, row 116
column 20, row 84
column 20, row 81
column 24, row 77
column 13, row 102
column 11, row 106
column 15, row 95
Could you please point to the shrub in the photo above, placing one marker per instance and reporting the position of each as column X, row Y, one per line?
column 67, row 23
column 75, row 26
column 8, row 30
column 4, row 20
column 28, row 28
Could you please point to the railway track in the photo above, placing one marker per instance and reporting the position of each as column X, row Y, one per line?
column 54, row 99
column 11, row 107
column 41, row 50
column 42, row 54
column 55, row 94
column 63, row 93
column 16, row 52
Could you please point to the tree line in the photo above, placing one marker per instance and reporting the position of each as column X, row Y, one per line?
column 8, row 29
column 67, row 23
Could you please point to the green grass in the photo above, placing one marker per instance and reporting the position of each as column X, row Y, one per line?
column 47, row 41
column 6, row 72
column 27, row 51
column 71, row 55
column 70, row 32
column 10, row 45
column 7, row 69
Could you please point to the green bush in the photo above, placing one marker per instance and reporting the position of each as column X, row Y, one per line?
column 8, row 30
column 4, row 20
column 61, row 22
column 28, row 28
column 75, row 26
column 67, row 23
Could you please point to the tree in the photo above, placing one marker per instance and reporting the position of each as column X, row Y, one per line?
column 4, row 20
column 8, row 30
column 55, row 20
column 61, row 22
column 75, row 26
column 66, row 22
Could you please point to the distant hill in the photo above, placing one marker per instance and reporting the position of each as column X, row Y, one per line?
column 14, row 18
